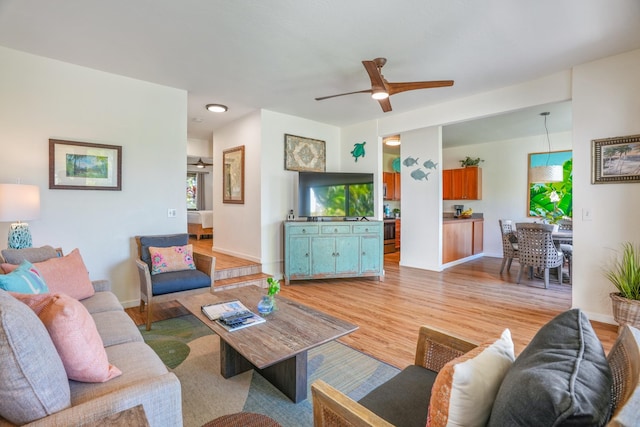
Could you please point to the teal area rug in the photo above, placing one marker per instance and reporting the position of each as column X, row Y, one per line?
column 191, row 351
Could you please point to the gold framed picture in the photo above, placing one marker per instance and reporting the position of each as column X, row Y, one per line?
column 233, row 175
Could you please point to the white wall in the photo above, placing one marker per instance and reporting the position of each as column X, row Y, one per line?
column 42, row 99
column 606, row 103
column 421, row 226
column 279, row 186
column 237, row 226
column 253, row 230
column 504, row 180
column 363, row 132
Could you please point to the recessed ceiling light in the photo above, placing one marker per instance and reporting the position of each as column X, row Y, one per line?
column 392, row 140
column 197, row 120
column 217, row 108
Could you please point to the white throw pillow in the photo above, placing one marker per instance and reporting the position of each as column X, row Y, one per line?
column 465, row 388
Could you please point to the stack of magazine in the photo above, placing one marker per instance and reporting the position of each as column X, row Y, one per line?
column 231, row 315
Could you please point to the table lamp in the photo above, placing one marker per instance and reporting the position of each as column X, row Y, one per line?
column 19, row 203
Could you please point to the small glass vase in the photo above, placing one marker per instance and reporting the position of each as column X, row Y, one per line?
column 265, row 306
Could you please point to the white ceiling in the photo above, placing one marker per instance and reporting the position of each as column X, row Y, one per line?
column 281, row 54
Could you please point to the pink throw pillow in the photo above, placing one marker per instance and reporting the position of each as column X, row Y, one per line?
column 75, row 336
column 67, row 275
column 173, row 258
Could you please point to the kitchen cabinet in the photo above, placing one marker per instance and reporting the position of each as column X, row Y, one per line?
column 461, row 238
column 397, row 234
column 333, row 249
column 389, row 236
column 391, row 183
column 462, row 184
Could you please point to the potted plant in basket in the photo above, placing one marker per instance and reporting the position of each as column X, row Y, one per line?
column 268, row 302
column 625, row 276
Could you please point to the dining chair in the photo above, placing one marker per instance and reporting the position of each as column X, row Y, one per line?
column 566, row 246
column 537, row 250
column 509, row 243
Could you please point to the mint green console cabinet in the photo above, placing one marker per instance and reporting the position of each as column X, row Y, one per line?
column 333, row 249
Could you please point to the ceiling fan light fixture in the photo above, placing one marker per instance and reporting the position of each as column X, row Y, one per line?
column 379, row 94
column 217, row 108
column 200, row 164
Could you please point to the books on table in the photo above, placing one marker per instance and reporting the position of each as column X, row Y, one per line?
column 231, row 315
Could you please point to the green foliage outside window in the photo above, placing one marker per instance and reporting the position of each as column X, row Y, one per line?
column 344, row 200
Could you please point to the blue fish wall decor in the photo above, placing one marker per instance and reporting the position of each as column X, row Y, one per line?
column 410, row 161
column 429, row 164
column 419, row 175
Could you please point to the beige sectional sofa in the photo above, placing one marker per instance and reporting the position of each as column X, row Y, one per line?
column 31, row 391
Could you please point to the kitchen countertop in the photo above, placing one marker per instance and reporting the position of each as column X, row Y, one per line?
column 474, row 217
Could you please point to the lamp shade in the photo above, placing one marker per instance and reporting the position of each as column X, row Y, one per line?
column 542, row 174
column 19, row 202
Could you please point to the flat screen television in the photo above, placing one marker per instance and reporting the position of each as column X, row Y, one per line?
column 335, row 194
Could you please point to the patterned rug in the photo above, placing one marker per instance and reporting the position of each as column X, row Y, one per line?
column 191, row 351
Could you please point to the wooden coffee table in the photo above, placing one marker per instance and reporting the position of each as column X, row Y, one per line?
column 277, row 348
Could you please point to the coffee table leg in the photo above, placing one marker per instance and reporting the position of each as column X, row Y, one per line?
column 289, row 376
column 231, row 362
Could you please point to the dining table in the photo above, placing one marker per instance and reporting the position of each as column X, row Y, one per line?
column 562, row 236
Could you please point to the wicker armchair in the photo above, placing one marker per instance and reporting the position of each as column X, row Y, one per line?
column 509, row 243
column 333, row 408
column 434, row 349
column 537, row 250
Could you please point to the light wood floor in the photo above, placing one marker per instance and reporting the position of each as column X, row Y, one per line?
column 470, row 300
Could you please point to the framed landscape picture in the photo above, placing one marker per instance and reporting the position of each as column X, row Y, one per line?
column 615, row 160
column 84, row 166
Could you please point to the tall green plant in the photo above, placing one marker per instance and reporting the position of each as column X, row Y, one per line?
column 625, row 273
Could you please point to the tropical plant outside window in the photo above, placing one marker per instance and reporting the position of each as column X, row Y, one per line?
column 192, row 193
column 343, row 200
column 553, row 201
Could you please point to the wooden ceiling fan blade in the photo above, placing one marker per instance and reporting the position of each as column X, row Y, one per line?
column 343, row 94
column 385, row 104
column 374, row 74
column 403, row 87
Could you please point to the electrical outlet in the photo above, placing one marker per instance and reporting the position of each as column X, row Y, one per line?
column 171, row 213
column 586, row 214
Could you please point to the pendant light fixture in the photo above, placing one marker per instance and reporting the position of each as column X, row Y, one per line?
column 547, row 173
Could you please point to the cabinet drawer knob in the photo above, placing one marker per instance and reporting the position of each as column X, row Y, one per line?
column 335, row 230
column 307, row 254
column 304, row 230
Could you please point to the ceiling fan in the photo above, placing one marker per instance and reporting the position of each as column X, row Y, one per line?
column 200, row 164
column 381, row 89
